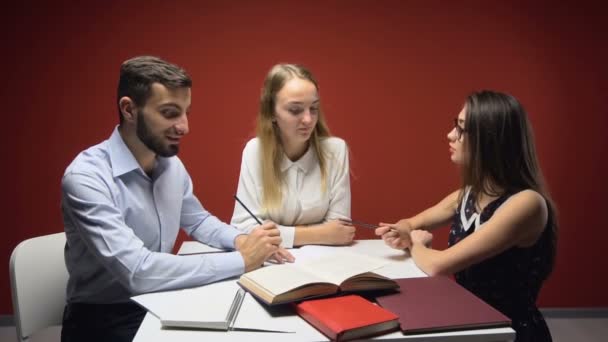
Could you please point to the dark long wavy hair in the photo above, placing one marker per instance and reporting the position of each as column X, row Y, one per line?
column 501, row 154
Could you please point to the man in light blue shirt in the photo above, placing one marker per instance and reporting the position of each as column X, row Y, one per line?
column 123, row 202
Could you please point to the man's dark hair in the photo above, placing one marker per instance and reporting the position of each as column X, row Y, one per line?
column 139, row 73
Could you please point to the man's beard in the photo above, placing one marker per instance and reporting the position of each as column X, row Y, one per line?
column 154, row 143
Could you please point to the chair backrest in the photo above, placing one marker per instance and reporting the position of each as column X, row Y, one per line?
column 38, row 283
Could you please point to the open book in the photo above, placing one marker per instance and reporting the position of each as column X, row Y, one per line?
column 329, row 274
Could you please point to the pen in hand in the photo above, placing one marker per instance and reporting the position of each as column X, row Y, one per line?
column 365, row 224
column 360, row 223
column 281, row 255
column 249, row 211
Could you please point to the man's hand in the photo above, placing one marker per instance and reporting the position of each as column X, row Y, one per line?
column 258, row 245
column 282, row 255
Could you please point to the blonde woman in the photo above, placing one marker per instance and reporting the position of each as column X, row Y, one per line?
column 294, row 172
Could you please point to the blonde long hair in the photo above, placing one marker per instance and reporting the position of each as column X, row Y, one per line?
column 271, row 147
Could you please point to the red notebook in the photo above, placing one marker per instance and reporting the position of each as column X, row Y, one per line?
column 434, row 304
column 348, row 317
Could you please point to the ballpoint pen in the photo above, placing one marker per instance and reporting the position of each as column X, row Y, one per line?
column 256, row 220
column 361, row 223
column 365, row 224
column 249, row 211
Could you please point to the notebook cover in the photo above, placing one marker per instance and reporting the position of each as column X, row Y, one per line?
column 434, row 304
column 337, row 315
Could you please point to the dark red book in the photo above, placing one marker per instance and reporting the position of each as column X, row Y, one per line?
column 348, row 317
column 435, row 304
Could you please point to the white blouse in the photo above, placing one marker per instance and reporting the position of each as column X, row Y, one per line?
column 304, row 202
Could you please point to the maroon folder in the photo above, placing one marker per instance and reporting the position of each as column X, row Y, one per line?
column 435, row 304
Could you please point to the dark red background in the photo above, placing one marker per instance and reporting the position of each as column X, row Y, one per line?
column 392, row 75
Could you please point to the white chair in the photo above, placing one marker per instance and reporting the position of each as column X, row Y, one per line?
column 38, row 283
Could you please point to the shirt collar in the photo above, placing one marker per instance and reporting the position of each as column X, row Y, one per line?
column 123, row 161
column 306, row 163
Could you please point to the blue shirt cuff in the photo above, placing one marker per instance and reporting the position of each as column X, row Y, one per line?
column 227, row 265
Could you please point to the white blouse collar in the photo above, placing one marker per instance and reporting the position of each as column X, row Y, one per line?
column 306, row 162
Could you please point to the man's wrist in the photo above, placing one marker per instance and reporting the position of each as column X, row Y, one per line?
column 238, row 241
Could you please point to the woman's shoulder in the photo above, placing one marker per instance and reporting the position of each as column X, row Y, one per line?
column 251, row 152
column 251, row 147
column 334, row 144
column 528, row 198
column 527, row 214
column 525, row 205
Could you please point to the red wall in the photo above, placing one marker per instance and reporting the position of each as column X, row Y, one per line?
column 392, row 74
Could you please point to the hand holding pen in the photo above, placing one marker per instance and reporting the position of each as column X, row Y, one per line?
column 360, row 223
column 396, row 235
column 281, row 254
column 335, row 232
column 392, row 227
column 257, row 246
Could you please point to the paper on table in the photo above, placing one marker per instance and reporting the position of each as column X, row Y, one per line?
column 256, row 316
column 206, row 307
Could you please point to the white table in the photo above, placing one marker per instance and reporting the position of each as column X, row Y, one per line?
column 400, row 266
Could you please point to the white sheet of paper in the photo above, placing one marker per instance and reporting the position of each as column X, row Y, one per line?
column 207, row 307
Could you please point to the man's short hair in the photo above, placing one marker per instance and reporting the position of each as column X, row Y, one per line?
column 139, row 73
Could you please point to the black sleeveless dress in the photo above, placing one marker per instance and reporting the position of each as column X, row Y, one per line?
column 509, row 281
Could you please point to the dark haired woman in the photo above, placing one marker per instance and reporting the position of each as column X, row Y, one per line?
column 503, row 232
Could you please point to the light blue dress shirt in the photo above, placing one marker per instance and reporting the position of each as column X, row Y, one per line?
column 121, row 225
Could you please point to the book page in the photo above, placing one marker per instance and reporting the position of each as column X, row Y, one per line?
column 399, row 263
column 339, row 266
column 279, row 279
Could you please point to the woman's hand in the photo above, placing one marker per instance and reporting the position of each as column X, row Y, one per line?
column 421, row 237
column 396, row 235
column 337, row 232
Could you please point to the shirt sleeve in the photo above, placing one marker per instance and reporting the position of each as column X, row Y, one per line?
column 288, row 235
column 247, row 191
column 201, row 225
column 339, row 183
column 89, row 208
